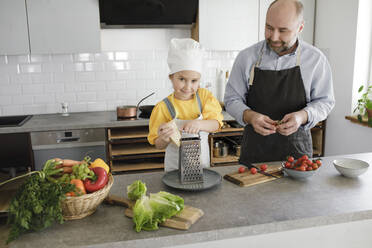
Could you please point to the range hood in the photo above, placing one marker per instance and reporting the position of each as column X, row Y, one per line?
column 147, row 13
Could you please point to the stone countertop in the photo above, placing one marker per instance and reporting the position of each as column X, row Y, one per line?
column 83, row 120
column 230, row 211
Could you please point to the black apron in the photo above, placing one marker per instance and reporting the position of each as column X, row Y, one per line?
column 275, row 94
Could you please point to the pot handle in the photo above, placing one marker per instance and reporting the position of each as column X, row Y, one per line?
column 143, row 100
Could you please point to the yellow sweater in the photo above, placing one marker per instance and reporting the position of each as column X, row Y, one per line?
column 186, row 110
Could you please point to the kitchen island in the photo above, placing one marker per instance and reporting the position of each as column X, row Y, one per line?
column 231, row 211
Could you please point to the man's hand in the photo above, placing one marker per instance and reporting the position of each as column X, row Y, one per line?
column 291, row 122
column 261, row 124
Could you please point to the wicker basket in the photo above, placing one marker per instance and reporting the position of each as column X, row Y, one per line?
column 79, row 207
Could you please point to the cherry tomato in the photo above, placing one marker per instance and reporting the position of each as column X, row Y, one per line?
column 253, row 171
column 263, row 167
column 309, row 162
column 241, row 169
column 309, row 168
column 288, row 165
column 304, row 157
column 319, row 162
column 302, row 168
column 315, row 166
column 290, row 159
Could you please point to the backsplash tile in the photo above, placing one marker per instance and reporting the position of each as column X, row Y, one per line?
column 37, row 84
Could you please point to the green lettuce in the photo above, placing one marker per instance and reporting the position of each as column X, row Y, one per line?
column 148, row 212
column 136, row 190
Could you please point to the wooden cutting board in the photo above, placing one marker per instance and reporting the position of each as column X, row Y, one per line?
column 182, row 221
column 246, row 178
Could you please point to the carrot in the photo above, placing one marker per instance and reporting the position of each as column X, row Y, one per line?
column 70, row 163
column 67, row 169
column 79, row 187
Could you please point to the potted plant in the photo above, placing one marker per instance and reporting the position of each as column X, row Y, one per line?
column 364, row 105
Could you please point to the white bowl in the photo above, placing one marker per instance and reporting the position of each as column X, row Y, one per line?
column 349, row 167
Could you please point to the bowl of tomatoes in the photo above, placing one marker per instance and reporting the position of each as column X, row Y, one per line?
column 302, row 167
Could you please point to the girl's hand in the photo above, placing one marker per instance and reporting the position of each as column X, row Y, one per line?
column 164, row 133
column 192, row 126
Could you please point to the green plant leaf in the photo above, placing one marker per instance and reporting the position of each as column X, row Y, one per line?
column 360, row 118
column 360, row 88
column 369, row 104
column 370, row 122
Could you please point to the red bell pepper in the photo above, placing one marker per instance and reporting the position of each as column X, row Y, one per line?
column 102, row 179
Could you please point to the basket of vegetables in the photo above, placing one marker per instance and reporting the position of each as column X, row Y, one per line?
column 92, row 182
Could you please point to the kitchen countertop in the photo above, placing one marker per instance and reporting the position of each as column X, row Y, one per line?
column 83, row 120
column 230, row 211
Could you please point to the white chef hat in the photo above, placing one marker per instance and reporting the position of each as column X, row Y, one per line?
column 185, row 55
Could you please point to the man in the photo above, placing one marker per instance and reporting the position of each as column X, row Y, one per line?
column 279, row 89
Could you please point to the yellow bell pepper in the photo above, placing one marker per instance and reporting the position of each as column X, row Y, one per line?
column 100, row 163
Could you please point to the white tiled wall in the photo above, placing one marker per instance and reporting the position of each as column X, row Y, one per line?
column 37, row 84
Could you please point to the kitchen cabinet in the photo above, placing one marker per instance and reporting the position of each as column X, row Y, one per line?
column 228, row 25
column 67, row 26
column 13, row 27
column 49, row 26
column 309, row 15
column 129, row 150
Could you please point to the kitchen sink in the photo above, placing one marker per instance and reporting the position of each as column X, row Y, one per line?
column 14, row 121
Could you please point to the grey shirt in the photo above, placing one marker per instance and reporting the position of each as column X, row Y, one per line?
column 315, row 70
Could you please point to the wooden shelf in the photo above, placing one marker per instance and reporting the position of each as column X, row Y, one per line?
column 131, row 149
column 354, row 119
column 229, row 158
column 120, row 166
column 128, row 133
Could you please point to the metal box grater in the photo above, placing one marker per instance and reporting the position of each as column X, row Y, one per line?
column 190, row 169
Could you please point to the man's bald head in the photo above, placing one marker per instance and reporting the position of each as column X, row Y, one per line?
column 299, row 7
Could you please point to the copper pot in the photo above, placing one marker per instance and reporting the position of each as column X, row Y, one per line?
column 129, row 111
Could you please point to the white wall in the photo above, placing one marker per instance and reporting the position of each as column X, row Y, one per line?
column 335, row 33
column 131, row 65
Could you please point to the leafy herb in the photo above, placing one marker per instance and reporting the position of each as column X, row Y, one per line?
column 37, row 203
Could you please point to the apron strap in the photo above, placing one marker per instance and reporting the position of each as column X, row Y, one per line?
column 298, row 60
column 251, row 74
column 172, row 110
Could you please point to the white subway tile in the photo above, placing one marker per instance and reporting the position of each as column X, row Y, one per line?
column 136, row 84
column 45, row 98
column 161, row 54
column 22, row 99
column 94, row 66
column 116, row 85
column 126, row 75
column 74, row 87
column 78, row 107
column 41, row 78
column 86, row 97
column 5, row 100
column 73, row 67
column 105, row 75
column 51, row 67
column 53, row 108
column 12, row 110
column 155, row 84
column 156, row 65
column 161, row 74
column 136, row 65
column 121, row 56
column 141, row 55
column 116, row 66
column 83, row 57
column 85, row 76
column 32, row 68
column 96, row 106
column 4, row 79
column 32, row 89
column 40, row 58
column 12, row 90
column 95, row 86
column 145, row 74
column 111, row 105
column 105, row 56
column 129, row 95
column 105, row 96
column 64, row 77
column 3, row 59
column 54, row 88
column 20, row 79
column 66, row 97
column 64, row 58
column 9, row 69
column 35, row 109
column 18, row 59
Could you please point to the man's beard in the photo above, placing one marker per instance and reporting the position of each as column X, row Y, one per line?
column 283, row 45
